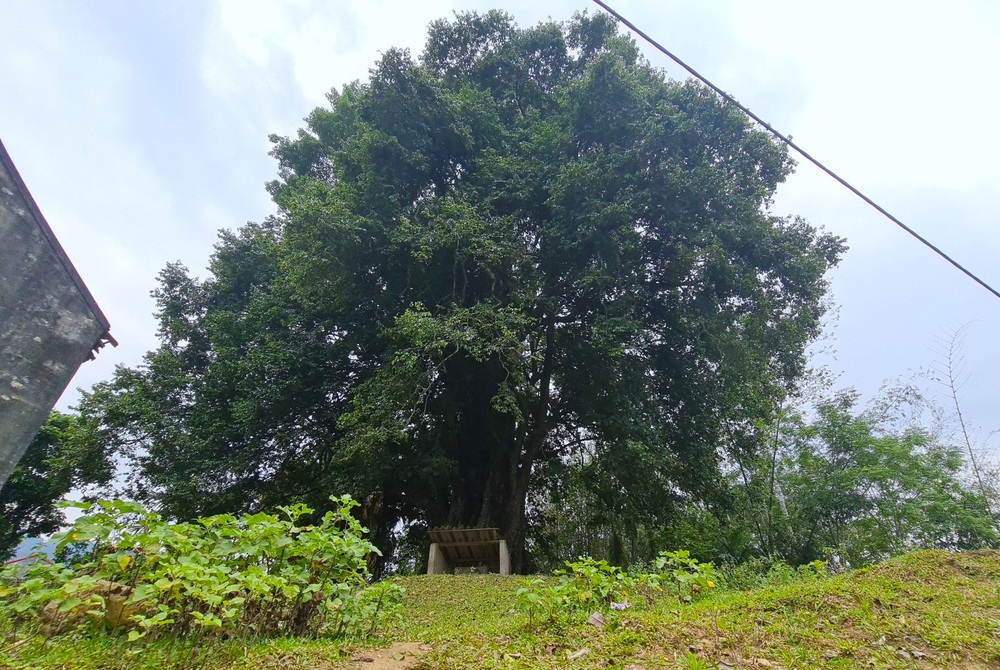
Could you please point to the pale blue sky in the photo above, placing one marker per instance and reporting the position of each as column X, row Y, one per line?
column 141, row 129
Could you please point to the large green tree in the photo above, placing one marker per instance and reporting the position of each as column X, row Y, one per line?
column 524, row 243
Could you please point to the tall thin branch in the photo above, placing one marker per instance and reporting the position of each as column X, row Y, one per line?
column 951, row 372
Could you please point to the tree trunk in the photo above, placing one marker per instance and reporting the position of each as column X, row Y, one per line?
column 517, row 523
column 493, row 453
column 494, row 495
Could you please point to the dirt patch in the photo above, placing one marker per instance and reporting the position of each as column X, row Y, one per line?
column 399, row 656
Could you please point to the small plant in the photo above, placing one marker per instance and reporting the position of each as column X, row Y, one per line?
column 690, row 576
column 585, row 585
column 536, row 600
column 363, row 613
column 594, row 583
column 690, row 661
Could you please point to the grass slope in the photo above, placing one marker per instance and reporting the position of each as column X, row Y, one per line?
column 929, row 609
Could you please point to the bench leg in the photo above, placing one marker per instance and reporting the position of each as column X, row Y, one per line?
column 436, row 563
column 504, row 558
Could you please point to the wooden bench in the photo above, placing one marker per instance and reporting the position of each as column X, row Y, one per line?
column 473, row 548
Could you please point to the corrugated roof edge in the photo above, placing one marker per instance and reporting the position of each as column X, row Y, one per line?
column 106, row 337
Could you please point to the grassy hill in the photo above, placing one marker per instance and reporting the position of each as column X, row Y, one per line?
column 929, row 609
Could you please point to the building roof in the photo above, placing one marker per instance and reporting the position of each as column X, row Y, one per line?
column 43, row 225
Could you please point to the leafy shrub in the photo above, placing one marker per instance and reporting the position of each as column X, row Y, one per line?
column 258, row 575
column 587, row 585
column 760, row 572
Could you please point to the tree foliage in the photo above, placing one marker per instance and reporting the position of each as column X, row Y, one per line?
column 831, row 482
column 849, row 485
column 524, row 243
column 60, row 458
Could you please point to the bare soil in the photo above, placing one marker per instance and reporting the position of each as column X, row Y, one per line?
column 399, row 656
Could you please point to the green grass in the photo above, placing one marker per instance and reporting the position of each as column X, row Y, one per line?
column 929, row 609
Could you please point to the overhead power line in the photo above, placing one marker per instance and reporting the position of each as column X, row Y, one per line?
column 793, row 145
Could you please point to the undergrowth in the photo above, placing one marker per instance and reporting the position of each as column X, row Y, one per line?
column 134, row 577
column 587, row 586
column 930, row 609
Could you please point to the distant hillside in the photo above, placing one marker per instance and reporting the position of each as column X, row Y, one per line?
column 32, row 545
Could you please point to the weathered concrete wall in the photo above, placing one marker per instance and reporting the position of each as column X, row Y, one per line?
column 49, row 323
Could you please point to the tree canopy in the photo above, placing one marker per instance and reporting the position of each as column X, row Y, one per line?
column 523, row 244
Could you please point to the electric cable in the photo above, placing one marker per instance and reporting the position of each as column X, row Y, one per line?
column 793, row 145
